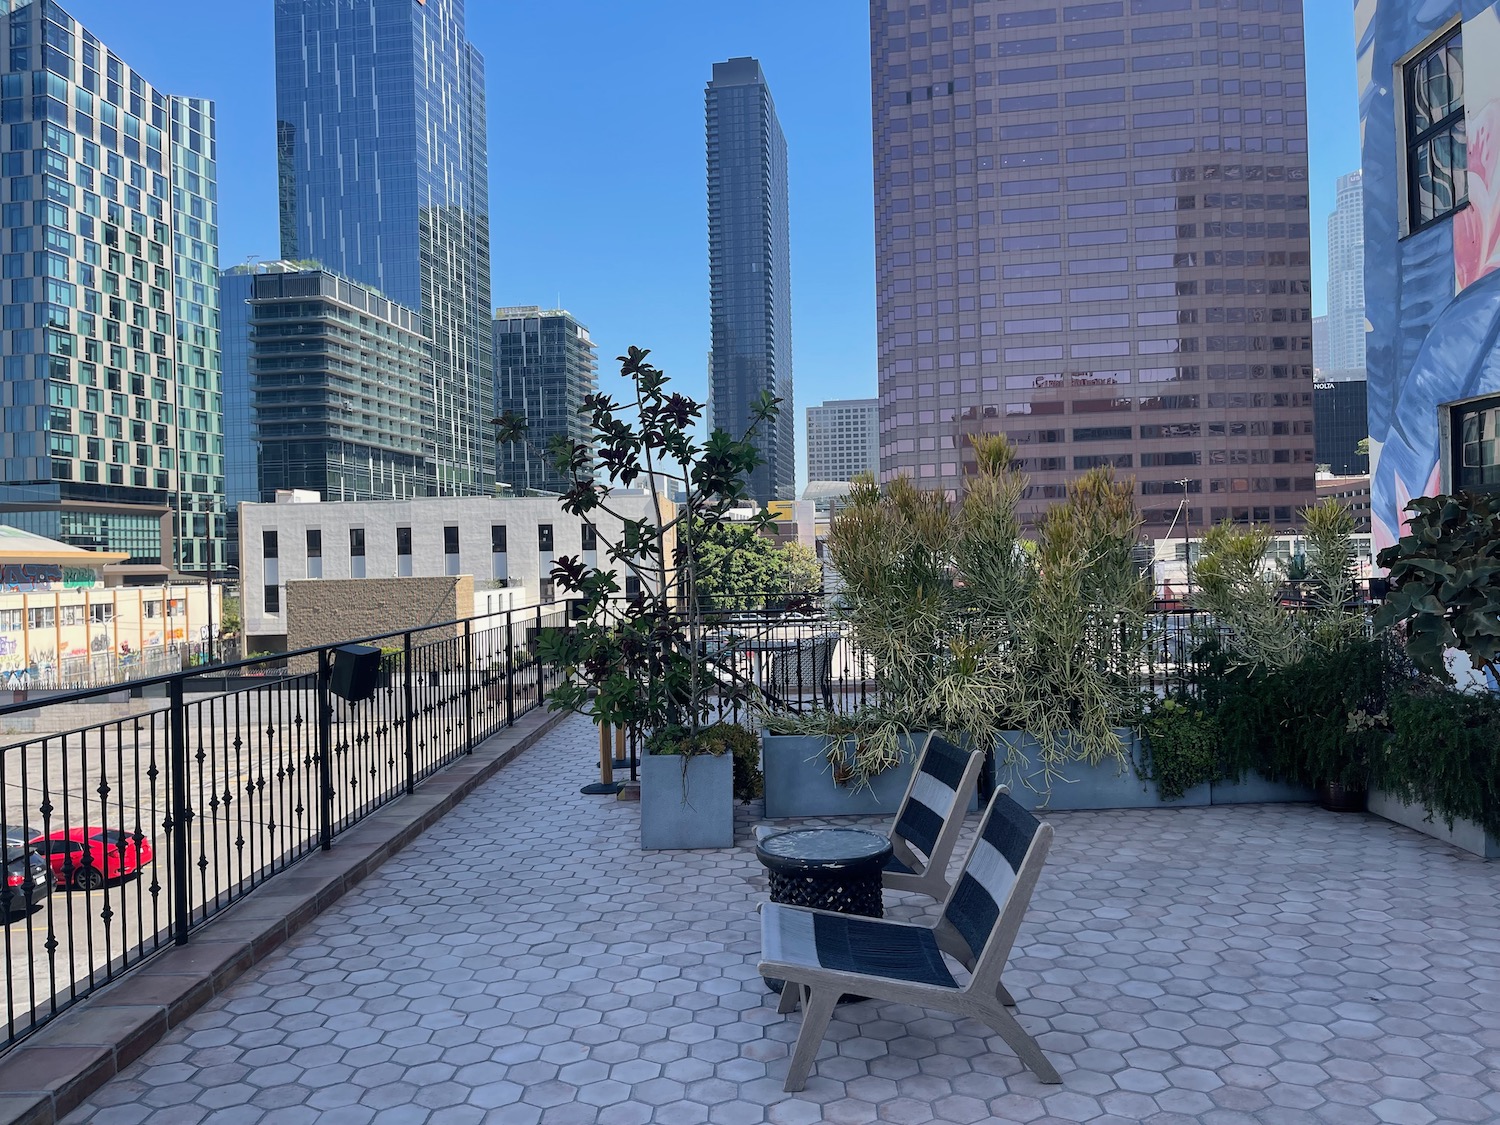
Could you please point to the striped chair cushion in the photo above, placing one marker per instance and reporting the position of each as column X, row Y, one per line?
column 991, row 871
column 932, row 794
column 852, row 944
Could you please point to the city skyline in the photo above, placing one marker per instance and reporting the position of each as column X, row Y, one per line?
column 648, row 226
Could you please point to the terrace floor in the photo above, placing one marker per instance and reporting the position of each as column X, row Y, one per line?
column 527, row 963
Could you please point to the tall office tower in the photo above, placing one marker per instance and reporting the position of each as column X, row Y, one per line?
column 384, row 180
column 113, row 421
column 241, row 455
column 749, row 266
column 843, row 439
column 1346, row 281
column 1092, row 234
column 337, row 375
column 544, row 366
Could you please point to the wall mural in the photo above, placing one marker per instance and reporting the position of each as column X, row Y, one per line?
column 1434, row 320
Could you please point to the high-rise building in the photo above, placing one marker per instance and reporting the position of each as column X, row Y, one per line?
column 384, row 180
column 1092, row 235
column 1429, row 98
column 749, row 265
column 1346, row 281
column 113, row 420
column 241, row 454
column 1341, row 422
column 1320, row 343
column 843, row 439
column 338, row 374
column 544, row 366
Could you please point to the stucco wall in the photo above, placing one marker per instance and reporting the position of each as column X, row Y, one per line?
column 326, row 611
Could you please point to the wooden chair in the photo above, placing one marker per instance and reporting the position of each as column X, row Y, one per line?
column 931, row 817
column 821, row 955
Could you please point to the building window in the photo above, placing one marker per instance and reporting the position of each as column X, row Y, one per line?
column 101, row 614
column 497, row 538
column 1437, row 181
column 544, row 537
column 590, row 537
column 273, row 599
column 450, row 550
column 314, row 543
column 403, row 552
column 356, row 552
column 268, row 544
column 1474, row 462
column 41, row 617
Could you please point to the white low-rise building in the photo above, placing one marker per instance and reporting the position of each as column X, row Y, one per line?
column 507, row 545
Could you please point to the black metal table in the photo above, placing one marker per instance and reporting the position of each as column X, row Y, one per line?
column 827, row 868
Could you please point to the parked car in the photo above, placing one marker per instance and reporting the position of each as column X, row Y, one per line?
column 28, row 878
column 85, row 857
column 20, row 836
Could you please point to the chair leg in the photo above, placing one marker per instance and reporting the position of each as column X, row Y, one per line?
column 791, row 996
column 817, row 1010
column 1023, row 1045
column 1003, row 995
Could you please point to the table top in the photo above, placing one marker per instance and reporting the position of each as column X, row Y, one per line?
column 826, row 848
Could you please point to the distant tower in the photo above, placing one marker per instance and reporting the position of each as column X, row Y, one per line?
column 1346, row 280
column 544, row 366
column 384, row 179
column 843, row 439
column 749, row 257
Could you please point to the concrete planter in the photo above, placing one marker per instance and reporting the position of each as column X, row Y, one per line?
column 687, row 809
column 1253, row 789
column 1464, row 834
column 799, row 780
column 1112, row 784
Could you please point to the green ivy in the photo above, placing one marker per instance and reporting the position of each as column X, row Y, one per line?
column 1443, row 752
column 1181, row 747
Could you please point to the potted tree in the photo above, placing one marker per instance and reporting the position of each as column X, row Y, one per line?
column 641, row 663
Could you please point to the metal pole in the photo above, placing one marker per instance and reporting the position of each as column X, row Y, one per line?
column 409, row 699
column 510, row 671
column 468, row 687
column 325, row 752
column 541, row 687
column 182, row 815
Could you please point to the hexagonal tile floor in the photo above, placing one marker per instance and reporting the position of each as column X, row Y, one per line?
column 525, row 963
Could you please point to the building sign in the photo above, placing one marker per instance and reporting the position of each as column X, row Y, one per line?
column 27, row 578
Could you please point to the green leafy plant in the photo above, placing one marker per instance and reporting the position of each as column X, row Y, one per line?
column 738, row 568
column 1443, row 753
column 1181, row 742
column 1445, row 582
column 644, row 666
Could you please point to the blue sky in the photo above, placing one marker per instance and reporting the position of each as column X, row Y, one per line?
column 597, row 155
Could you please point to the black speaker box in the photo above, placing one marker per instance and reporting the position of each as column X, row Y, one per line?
column 355, row 673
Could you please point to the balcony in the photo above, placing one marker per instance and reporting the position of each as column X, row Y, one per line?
column 524, row 960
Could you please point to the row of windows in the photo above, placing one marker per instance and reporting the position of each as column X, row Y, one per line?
column 271, row 540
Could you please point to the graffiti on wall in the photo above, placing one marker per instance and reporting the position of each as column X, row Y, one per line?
column 26, row 578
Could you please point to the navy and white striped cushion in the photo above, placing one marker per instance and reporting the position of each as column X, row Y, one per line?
column 933, row 794
column 990, row 873
column 849, row 943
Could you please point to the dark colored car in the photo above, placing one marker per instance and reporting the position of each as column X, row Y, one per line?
column 28, row 879
column 86, row 857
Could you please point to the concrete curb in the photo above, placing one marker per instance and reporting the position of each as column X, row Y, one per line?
column 50, row 1074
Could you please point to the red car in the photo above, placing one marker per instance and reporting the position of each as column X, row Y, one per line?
column 86, row 857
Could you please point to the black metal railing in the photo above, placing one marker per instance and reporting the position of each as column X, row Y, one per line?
column 130, row 817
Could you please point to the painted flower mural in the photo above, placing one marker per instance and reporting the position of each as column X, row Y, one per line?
column 1476, row 229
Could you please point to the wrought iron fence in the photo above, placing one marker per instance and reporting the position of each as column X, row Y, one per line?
column 129, row 823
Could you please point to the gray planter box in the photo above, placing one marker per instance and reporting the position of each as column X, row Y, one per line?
column 1464, row 834
column 693, row 810
column 1253, row 789
column 1111, row 784
column 799, row 780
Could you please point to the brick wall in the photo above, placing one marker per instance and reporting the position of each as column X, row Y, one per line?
column 327, row 611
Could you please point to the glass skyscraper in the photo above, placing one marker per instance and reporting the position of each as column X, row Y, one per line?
column 749, row 262
column 383, row 174
column 544, row 366
column 1346, row 281
column 1092, row 235
column 113, row 419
